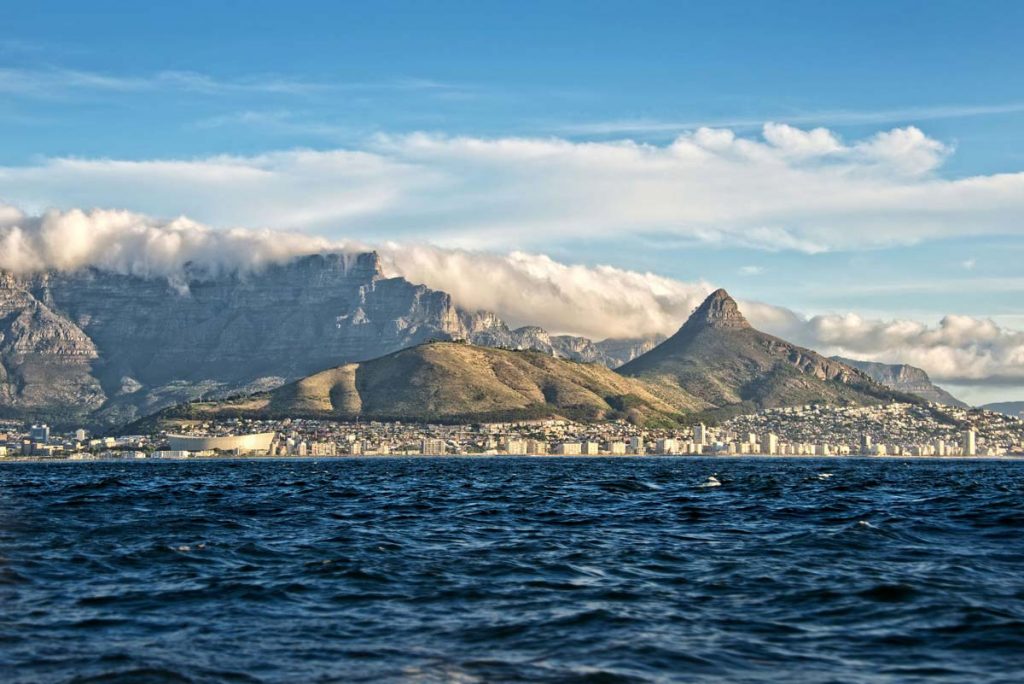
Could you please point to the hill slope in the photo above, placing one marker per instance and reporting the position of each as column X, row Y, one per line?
column 721, row 360
column 904, row 378
column 449, row 381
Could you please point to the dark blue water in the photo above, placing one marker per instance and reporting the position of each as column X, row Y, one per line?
column 561, row 570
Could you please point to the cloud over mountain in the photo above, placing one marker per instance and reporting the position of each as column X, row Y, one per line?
column 524, row 288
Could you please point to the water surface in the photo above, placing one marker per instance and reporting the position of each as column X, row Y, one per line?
column 519, row 569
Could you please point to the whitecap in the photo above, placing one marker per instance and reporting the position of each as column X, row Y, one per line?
column 712, row 482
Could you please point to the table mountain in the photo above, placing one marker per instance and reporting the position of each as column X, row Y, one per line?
column 717, row 357
column 94, row 346
column 904, row 378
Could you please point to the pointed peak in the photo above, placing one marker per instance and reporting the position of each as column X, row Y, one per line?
column 719, row 310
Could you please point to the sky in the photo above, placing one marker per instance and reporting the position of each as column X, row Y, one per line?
column 858, row 166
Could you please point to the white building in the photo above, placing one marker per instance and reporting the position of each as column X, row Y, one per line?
column 970, row 443
column 516, row 447
column 536, row 447
column 433, row 447
column 636, row 446
column 240, row 444
column 569, row 449
column 666, row 445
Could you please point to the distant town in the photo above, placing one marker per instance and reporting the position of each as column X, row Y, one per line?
column 885, row 430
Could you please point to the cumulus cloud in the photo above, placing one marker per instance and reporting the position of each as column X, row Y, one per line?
column 534, row 289
column 960, row 349
column 786, row 189
column 135, row 244
column 521, row 287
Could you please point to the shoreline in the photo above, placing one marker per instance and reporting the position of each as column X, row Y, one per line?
column 617, row 457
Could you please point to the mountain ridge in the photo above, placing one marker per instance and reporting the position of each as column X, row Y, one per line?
column 718, row 357
column 904, row 378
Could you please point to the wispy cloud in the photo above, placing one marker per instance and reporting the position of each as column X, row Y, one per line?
column 61, row 82
column 835, row 117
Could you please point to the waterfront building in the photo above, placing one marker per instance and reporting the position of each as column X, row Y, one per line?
column 569, row 449
column 431, row 447
column 970, row 443
column 666, row 445
column 591, row 448
column 536, row 447
column 617, row 448
column 40, row 433
column 239, row 444
column 516, row 447
column 700, row 434
column 636, row 446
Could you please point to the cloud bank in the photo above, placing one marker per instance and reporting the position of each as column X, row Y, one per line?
column 521, row 287
column 785, row 189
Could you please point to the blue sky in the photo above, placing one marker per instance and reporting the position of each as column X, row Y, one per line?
column 196, row 81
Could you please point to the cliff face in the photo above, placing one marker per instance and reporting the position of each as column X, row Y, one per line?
column 904, row 378
column 95, row 346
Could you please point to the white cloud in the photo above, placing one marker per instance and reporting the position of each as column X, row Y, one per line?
column 523, row 288
column 751, row 270
column 790, row 190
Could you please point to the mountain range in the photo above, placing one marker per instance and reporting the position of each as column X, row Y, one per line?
column 102, row 348
column 99, row 347
column 715, row 365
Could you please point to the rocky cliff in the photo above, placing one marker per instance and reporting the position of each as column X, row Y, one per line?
column 95, row 346
column 904, row 378
column 717, row 357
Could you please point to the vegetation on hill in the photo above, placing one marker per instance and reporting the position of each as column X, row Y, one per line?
column 454, row 382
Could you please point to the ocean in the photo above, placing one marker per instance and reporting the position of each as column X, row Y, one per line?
column 650, row 569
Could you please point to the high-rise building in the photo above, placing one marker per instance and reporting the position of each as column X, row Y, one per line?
column 617, row 448
column 636, row 446
column 536, row 447
column 516, row 447
column 591, row 448
column 770, row 444
column 568, row 449
column 866, row 446
column 970, row 443
column 433, row 447
column 666, row 445
column 80, row 435
column 40, row 433
column 700, row 434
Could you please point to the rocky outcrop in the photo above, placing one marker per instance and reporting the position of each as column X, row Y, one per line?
column 95, row 346
column 45, row 359
column 904, row 378
column 717, row 357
